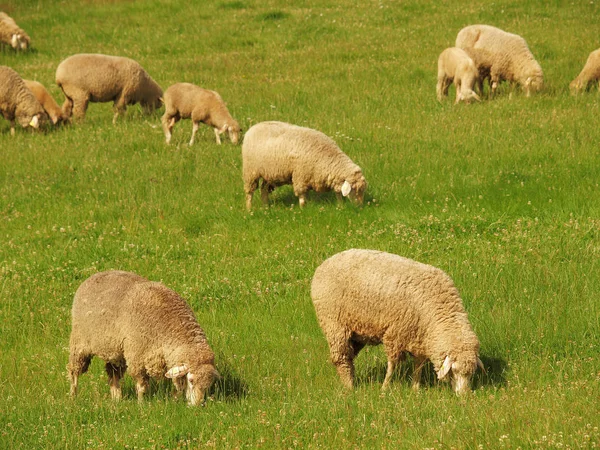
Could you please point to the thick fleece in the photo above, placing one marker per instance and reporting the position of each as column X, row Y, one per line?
column 11, row 34
column 454, row 65
column 368, row 297
column 511, row 59
column 86, row 78
column 17, row 103
column 140, row 326
column 280, row 153
column 186, row 100
column 589, row 75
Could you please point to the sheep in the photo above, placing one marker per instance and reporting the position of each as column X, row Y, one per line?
column 141, row 326
column 186, row 100
column 368, row 297
column 590, row 73
column 454, row 65
column 280, row 153
column 47, row 101
column 11, row 34
column 511, row 58
column 17, row 103
column 86, row 78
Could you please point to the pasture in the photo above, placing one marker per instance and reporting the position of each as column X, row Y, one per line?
column 503, row 195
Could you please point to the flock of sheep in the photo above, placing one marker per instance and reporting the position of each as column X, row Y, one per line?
column 361, row 297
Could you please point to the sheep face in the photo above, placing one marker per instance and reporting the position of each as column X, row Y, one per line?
column 233, row 131
column 194, row 384
column 459, row 371
column 533, row 84
column 34, row 121
column 354, row 187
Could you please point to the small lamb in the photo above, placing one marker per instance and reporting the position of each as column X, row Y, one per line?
column 141, row 326
column 11, row 34
column 47, row 101
column 454, row 65
column 511, row 58
column 367, row 297
column 98, row 78
column 186, row 100
column 280, row 153
column 17, row 103
column 589, row 75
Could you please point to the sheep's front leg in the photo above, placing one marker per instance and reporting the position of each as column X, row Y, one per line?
column 141, row 386
column 119, row 107
column 12, row 127
column 115, row 373
column 78, row 364
column 195, row 126
column 264, row 193
column 419, row 362
column 218, row 135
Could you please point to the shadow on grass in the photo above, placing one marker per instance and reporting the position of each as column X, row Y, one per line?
column 230, row 387
column 284, row 196
column 494, row 375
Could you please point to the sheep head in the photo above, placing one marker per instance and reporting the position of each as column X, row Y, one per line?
column 233, row 131
column 354, row 186
column 194, row 384
column 459, row 371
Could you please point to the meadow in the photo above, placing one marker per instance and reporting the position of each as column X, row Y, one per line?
column 503, row 195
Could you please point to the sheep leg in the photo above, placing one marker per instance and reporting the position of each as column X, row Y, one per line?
column 195, row 126
column 342, row 355
column 394, row 356
column 458, row 85
column 168, row 122
column 249, row 187
column 80, row 107
column 180, row 385
column 439, row 89
column 141, row 385
column 78, row 365
column 115, row 373
column 419, row 362
column 119, row 107
column 218, row 135
column 67, row 107
column 12, row 127
column 264, row 193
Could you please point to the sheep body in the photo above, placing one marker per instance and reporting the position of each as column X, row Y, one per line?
column 367, row 297
column 186, row 100
column 46, row 100
column 11, row 34
column 455, row 65
column 589, row 74
column 141, row 326
column 511, row 59
column 280, row 153
column 99, row 78
column 17, row 103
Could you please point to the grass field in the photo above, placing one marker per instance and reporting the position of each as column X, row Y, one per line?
column 503, row 195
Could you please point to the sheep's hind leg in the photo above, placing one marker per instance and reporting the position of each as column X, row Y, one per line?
column 249, row 188
column 115, row 373
column 168, row 122
column 342, row 355
column 78, row 365
column 80, row 107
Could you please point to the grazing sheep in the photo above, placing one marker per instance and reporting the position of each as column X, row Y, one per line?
column 17, row 103
column 511, row 58
column 11, row 34
column 454, row 65
column 367, row 297
column 590, row 73
column 86, row 78
column 141, row 326
column 47, row 101
column 280, row 153
column 186, row 100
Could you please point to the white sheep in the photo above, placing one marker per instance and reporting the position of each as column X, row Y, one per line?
column 454, row 65
column 47, row 101
column 17, row 103
column 589, row 74
column 280, row 153
column 140, row 326
column 11, row 34
column 186, row 100
column 86, row 78
column 511, row 58
column 367, row 297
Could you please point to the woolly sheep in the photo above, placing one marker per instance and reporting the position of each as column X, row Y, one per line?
column 47, row 101
column 280, row 153
column 367, row 297
column 454, row 65
column 186, row 100
column 141, row 326
column 17, row 103
column 86, row 78
column 511, row 58
column 590, row 73
column 11, row 34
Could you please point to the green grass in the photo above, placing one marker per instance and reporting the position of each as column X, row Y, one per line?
column 502, row 195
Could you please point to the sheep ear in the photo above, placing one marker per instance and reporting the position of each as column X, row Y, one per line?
column 346, row 188
column 14, row 40
column 35, row 122
column 177, row 371
column 446, row 366
column 528, row 81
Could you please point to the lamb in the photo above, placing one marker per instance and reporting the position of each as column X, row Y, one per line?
column 511, row 58
column 86, row 78
column 590, row 73
column 454, row 65
column 368, row 297
column 47, row 101
column 17, row 103
column 11, row 34
column 186, row 100
column 280, row 153
column 141, row 326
